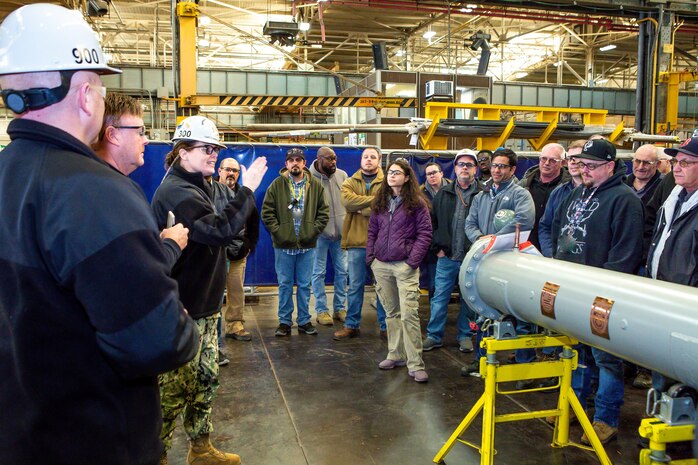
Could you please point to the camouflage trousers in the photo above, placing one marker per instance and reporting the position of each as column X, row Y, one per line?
column 191, row 389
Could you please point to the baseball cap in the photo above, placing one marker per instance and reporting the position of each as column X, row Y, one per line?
column 598, row 149
column 689, row 147
column 465, row 153
column 295, row 152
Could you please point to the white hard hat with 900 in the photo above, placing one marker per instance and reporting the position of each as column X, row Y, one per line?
column 43, row 37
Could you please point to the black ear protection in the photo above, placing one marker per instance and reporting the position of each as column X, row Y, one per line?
column 20, row 101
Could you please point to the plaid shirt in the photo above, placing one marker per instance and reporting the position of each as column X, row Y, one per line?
column 297, row 192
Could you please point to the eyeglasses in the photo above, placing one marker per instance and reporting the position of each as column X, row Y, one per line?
column 643, row 162
column 230, row 170
column 395, row 172
column 549, row 160
column 209, row 149
column 432, row 173
column 465, row 164
column 682, row 163
column 330, row 158
column 141, row 129
column 572, row 161
column 100, row 89
column 501, row 166
column 590, row 166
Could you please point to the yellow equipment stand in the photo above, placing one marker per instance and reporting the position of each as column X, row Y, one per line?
column 494, row 374
column 660, row 434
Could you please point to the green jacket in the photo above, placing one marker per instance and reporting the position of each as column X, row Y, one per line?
column 358, row 204
column 277, row 218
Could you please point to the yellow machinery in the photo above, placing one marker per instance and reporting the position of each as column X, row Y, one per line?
column 436, row 111
column 494, row 374
column 660, row 434
column 673, row 79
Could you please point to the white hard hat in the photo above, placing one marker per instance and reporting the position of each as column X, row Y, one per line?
column 44, row 37
column 198, row 128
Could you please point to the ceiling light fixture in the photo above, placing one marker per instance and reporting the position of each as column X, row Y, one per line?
column 204, row 20
column 606, row 48
column 303, row 26
column 429, row 34
column 466, row 10
column 400, row 53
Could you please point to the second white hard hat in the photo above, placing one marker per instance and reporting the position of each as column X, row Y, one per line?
column 198, row 128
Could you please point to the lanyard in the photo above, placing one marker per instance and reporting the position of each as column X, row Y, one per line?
column 296, row 198
column 579, row 209
column 460, row 196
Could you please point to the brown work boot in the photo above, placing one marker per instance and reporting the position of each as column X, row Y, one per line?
column 345, row 333
column 237, row 331
column 603, row 431
column 202, row 452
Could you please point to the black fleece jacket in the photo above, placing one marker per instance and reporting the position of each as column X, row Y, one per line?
column 88, row 313
column 200, row 271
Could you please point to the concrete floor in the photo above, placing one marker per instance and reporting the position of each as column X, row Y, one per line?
column 312, row 400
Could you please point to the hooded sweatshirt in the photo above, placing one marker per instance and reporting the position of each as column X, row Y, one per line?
column 333, row 199
column 608, row 231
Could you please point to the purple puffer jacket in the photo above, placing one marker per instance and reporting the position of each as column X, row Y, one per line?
column 402, row 237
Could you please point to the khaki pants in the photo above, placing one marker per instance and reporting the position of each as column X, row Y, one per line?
column 236, row 294
column 397, row 286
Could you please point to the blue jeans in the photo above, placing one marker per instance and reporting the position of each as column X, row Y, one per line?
column 609, row 396
column 292, row 269
column 447, row 271
column 429, row 271
column 357, row 280
column 339, row 260
column 525, row 328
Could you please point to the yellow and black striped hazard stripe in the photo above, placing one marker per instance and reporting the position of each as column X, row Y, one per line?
column 310, row 101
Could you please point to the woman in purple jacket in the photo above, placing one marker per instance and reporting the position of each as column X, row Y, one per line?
column 399, row 234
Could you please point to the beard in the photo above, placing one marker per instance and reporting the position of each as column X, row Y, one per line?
column 329, row 170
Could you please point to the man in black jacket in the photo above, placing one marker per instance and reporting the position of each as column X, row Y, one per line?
column 88, row 313
column 450, row 244
column 600, row 224
column 237, row 252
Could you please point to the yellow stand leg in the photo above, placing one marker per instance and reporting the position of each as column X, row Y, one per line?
column 494, row 374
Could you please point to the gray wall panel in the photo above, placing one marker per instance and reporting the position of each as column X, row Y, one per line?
column 278, row 85
column 218, row 83
column 529, row 96
column 545, row 97
column 203, row 82
column 236, row 83
column 298, row 85
column 256, row 83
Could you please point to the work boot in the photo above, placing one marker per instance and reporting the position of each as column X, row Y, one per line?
column 340, row 315
column 603, row 431
column 643, row 380
column 163, row 459
column 237, row 331
column 324, row 319
column 202, row 452
column 346, row 333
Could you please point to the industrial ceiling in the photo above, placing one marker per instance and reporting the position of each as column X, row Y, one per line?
column 557, row 43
